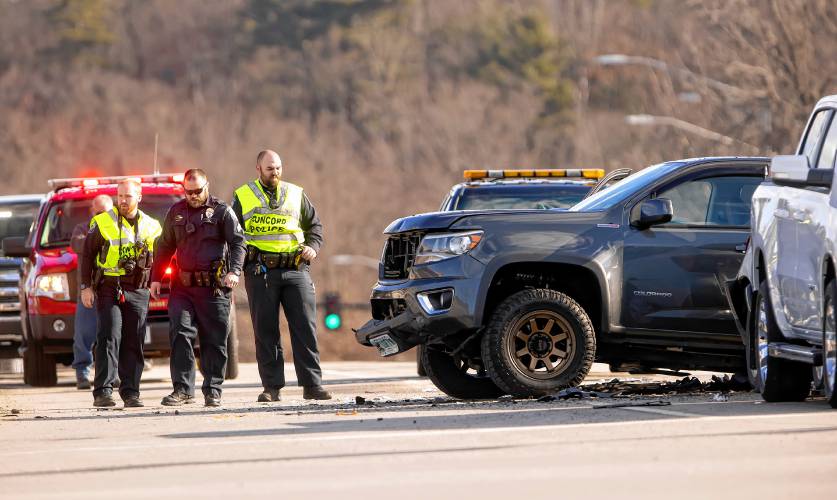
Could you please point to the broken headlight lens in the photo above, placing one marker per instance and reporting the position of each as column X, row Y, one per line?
column 436, row 247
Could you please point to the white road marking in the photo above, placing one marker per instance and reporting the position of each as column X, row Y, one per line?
column 659, row 411
column 381, row 434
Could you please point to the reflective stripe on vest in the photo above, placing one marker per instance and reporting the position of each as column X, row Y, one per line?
column 271, row 229
column 108, row 223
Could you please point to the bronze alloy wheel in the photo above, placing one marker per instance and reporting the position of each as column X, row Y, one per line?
column 542, row 345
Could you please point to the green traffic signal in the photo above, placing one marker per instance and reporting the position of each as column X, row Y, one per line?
column 333, row 321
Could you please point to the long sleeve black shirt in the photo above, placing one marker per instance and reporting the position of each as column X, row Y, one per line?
column 216, row 234
column 309, row 221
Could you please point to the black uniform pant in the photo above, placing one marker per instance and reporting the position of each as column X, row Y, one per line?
column 119, row 339
column 294, row 291
column 197, row 313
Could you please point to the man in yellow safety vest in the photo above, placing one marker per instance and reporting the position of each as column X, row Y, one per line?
column 283, row 236
column 116, row 262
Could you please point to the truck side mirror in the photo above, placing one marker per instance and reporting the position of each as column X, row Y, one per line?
column 15, row 246
column 653, row 212
column 794, row 171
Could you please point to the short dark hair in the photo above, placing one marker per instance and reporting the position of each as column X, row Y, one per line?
column 195, row 174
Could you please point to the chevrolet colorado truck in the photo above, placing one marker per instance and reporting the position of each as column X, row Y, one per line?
column 522, row 302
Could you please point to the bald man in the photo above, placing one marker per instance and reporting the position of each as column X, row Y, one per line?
column 119, row 247
column 283, row 236
column 84, row 328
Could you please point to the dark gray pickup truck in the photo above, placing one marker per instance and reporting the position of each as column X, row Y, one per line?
column 522, row 302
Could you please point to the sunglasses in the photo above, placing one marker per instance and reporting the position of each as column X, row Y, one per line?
column 194, row 192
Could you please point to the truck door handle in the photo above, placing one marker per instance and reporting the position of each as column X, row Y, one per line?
column 781, row 213
column 741, row 248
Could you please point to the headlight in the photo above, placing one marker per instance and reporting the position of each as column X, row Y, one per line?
column 436, row 247
column 54, row 286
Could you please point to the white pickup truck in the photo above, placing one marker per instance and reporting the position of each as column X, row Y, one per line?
column 784, row 296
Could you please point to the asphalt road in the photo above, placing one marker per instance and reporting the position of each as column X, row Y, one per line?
column 411, row 443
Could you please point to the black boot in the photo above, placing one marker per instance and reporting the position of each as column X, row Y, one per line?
column 177, row 398
column 133, row 402
column 104, row 400
column 269, row 396
column 315, row 392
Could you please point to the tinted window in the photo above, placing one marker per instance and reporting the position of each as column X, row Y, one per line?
column 16, row 218
column 626, row 188
column 829, row 147
column 521, row 196
column 812, row 138
column 64, row 215
column 716, row 201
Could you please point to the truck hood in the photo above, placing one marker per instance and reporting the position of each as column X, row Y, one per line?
column 444, row 220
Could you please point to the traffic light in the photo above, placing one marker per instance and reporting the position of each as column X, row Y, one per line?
column 332, row 319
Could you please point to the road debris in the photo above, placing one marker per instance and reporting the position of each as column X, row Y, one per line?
column 346, row 413
column 360, row 400
column 629, row 405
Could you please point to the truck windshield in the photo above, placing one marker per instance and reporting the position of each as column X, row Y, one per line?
column 64, row 215
column 624, row 189
column 520, row 197
column 16, row 218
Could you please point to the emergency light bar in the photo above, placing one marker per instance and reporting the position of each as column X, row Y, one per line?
column 91, row 182
column 585, row 173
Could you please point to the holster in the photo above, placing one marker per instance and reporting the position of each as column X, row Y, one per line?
column 252, row 253
column 98, row 275
column 142, row 278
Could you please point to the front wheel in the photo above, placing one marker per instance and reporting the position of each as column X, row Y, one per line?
column 456, row 376
column 538, row 341
column 38, row 367
column 829, row 345
column 776, row 379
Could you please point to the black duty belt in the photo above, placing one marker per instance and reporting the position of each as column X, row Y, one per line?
column 197, row 278
column 270, row 260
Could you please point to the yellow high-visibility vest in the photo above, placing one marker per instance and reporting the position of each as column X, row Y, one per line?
column 271, row 229
column 120, row 235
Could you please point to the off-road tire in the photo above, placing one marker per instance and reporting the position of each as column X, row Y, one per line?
column 420, row 371
column 38, row 368
column 446, row 374
column 829, row 349
column 500, row 362
column 776, row 379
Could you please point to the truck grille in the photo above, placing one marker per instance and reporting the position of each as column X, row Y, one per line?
column 399, row 255
column 9, row 282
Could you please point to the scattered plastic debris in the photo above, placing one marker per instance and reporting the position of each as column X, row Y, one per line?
column 720, row 397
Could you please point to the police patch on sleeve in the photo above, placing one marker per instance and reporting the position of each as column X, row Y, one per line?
column 178, row 218
column 209, row 213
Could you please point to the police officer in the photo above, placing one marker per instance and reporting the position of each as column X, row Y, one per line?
column 119, row 248
column 283, row 234
column 84, row 328
column 210, row 254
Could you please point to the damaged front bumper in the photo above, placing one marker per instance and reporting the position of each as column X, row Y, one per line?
column 440, row 301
